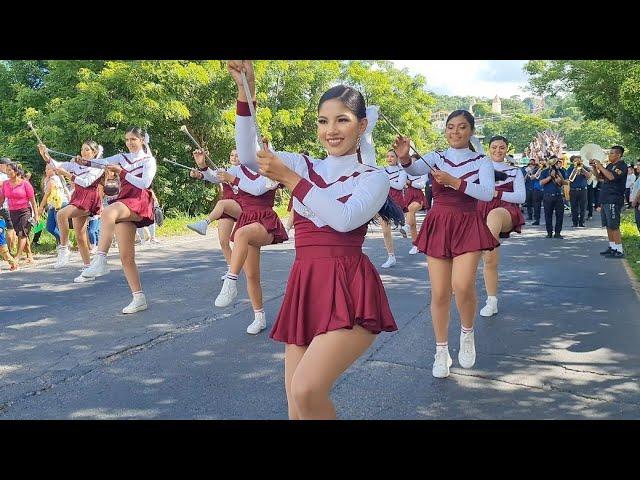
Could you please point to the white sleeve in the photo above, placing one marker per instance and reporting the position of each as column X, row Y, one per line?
column 519, row 194
column 112, row 160
column 64, row 165
column 366, row 199
column 419, row 183
column 485, row 189
column 210, row 176
column 399, row 182
column 247, row 148
column 88, row 178
column 421, row 165
column 148, row 172
column 255, row 187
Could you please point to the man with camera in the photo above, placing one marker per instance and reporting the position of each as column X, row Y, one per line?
column 614, row 179
column 552, row 179
column 579, row 176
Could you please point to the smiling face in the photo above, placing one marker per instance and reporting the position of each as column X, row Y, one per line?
column 87, row 153
column 233, row 157
column 498, row 150
column 458, row 132
column 339, row 128
column 392, row 158
column 134, row 143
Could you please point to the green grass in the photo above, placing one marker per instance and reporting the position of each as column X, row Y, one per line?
column 631, row 241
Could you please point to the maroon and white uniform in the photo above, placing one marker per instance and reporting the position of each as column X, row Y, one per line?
column 138, row 171
column 332, row 284
column 398, row 180
column 454, row 226
column 415, row 191
column 511, row 193
column 229, row 192
column 256, row 200
column 86, row 179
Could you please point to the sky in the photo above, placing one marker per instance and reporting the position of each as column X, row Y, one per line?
column 480, row 78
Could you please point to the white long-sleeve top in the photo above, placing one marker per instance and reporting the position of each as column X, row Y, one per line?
column 418, row 181
column 512, row 189
column 80, row 174
column 254, row 187
column 631, row 178
column 363, row 188
column 397, row 176
column 474, row 169
column 138, row 168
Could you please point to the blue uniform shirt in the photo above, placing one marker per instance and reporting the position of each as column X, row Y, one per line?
column 579, row 182
column 551, row 187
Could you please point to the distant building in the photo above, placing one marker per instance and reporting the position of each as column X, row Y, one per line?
column 496, row 106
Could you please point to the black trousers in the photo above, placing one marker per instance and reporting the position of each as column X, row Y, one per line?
column 578, row 206
column 551, row 203
column 537, row 204
column 591, row 196
column 528, row 203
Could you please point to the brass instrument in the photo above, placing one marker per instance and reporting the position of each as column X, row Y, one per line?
column 576, row 170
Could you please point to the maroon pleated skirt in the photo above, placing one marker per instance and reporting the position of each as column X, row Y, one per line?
column 452, row 230
column 398, row 197
column 86, row 199
column 329, row 288
column 416, row 195
column 517, row 219
column 139, row 201
column 265, row 217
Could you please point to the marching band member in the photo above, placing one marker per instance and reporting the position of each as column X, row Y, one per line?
column 579, row 176
column 397, row 179
column 334, row 303
column 453, row 234
column 131, row 209
column 227, row 209
column 502, row 215
column 257, row 226
column 84, row 202
column 414, row 201
column 552, row 180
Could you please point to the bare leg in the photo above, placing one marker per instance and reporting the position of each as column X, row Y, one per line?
column 62, row 219
column 80, row 227
column 328, row 356
column 292, row 356
column 225, row 227
column 126, row 235
column 440, row 277
column 253, row 234
column 252, row 272
column 411, row 219
column 386, row 234
column 463, row 278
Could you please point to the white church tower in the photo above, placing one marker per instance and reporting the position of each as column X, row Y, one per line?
column 496, row 106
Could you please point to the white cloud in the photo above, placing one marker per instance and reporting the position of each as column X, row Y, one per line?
column 480, row 78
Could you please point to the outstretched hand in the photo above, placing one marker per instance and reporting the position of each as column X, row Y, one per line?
column 235, row 67
column 199, row 155
column 401, row 147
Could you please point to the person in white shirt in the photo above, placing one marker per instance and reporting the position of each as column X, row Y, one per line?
column 227, row 209
column 453, row 234
column 83, row 202
column 334, row 303
column 397, row 179
column 131, row 209
column 502, row 214
column 631, row 178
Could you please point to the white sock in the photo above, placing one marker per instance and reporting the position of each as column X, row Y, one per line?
column 467, row 330
column 442, row 346
column 612, row 245
column 492, row 298
column 618, row 247
column 138, row 293
column 231, row 276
